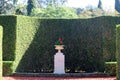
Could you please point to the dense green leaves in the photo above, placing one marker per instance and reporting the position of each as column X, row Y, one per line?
column 30, row 42
column 117, row 5
column 51, row 12
column 7, row 6
column 83, row 44
column 31, row 5
column 9, row 36
column 118, row 50
column 100, row 5
column 1, row 37
column 50, row 9
column 55, row 3
column 7, row 68
column 110, row 68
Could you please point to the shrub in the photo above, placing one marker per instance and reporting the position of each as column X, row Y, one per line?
column 110, row 68
column 109, row 38
column 36, row 39
column 1, row 36
column 7, row 68
column 9, row 37
column 30, row 43
column 118, row 50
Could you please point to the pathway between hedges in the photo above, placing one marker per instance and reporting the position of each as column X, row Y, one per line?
column 58, row 78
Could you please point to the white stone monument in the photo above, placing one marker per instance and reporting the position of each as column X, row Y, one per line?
column 59, row 60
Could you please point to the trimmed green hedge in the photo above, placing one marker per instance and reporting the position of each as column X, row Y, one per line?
column 118, row 50
column 26, row 30
column 110, row 68
column 30, row 43
column 7, row 68
column 36, row 39
column 9, row 37
column 1, row 36
column 109, row 37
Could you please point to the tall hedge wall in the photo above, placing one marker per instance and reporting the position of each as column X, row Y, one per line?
column 36, row 38
column 1, row 36
column 118, row 50
column 30, row 43
column 26, row 29
column 9, row 37
column 109, row 35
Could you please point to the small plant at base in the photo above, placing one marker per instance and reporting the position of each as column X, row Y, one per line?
column 59, row 42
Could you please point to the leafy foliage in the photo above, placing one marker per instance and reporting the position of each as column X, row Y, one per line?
column 7, row 68
column 9, row 37
column 52, row 9
column 1, row 36
column 21, row 10
column 51, row 12
column 30, row 6
column 7, row 6
column 55, row 3
column 110, row 68
column 94, row 12
column 117, row 5
column 41, row 38
column 110, row 38
column 33, row 40
column 118, row 50
column 100, row 4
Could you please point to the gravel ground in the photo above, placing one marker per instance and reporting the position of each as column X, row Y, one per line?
column 58, row 78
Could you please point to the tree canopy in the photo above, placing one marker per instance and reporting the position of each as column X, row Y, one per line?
column 55, row 3
column 7, row 6
column 53, row 9
column 117, row 5
column 52, row 12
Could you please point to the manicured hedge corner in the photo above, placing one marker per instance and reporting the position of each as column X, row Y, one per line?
column 7, row 68
column 110, row 68
column 1, row 33
column 118, row 50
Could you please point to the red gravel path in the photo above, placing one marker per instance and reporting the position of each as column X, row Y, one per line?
column 58, row 78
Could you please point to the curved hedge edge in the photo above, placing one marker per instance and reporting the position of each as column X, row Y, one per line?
column 118, row 50
column 1, row 35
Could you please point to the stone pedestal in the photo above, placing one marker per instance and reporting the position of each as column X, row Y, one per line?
column 59, row 61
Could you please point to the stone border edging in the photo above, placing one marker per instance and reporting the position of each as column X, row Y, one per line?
column 62, row 75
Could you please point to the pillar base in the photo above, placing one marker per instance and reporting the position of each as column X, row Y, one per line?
column 59, row 63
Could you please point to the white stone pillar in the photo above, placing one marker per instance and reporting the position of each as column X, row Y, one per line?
column 59, row 63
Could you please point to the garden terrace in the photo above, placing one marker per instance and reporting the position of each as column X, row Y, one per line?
column 28, row 43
